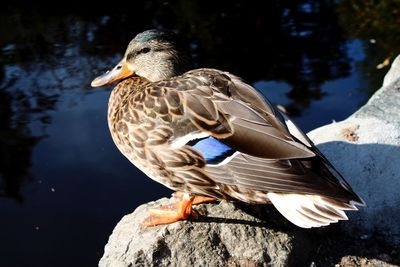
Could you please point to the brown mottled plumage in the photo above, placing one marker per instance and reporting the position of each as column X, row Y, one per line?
column 158, row 108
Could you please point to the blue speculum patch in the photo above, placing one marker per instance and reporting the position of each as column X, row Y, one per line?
column 212, row 149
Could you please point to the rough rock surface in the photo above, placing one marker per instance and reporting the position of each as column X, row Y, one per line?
column 394, row 73
column 365, row 148
column 227, row 236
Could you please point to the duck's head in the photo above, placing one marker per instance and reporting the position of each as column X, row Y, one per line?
column 153, row 54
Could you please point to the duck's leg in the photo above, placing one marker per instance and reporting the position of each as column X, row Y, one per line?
column 175, row 211
column 197, row 199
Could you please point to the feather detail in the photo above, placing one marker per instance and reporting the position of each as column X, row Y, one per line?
column 213, row 150
column 296, row 132
column 280, row 176
column 183, row 140
column 308, row 211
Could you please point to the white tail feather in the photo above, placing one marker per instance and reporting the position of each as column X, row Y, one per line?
column 308, row 211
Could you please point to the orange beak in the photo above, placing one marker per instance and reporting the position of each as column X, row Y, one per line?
column 119, row 72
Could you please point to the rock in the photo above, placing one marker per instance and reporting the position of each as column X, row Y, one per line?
column 394, row 72
column 364, row 262
column 227, row 236
column 365, row 148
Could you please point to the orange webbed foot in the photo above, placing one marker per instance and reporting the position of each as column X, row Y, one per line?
column 169, row 213
column 176, row 211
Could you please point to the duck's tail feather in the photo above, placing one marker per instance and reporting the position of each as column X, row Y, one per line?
column 308, row 211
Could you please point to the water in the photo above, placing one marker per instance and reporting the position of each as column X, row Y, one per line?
column 64, row 185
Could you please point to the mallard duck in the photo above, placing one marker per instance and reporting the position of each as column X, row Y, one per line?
column 210, row 136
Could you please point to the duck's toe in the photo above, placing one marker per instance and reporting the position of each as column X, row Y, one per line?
column 169, row 213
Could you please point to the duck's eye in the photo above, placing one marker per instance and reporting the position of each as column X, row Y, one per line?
column 132, row 55
column 144, row 50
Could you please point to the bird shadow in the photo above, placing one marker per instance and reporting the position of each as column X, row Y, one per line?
column 263, row 216
column 205, row 219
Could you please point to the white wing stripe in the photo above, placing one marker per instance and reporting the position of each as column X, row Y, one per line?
column 302, row 210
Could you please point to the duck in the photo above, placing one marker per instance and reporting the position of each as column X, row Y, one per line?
column 210, row 136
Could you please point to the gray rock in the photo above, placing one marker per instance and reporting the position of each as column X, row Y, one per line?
column 227, row 236
column 394, row 72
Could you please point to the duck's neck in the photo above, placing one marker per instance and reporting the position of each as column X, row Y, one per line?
column 163, row 70
column 167, row 66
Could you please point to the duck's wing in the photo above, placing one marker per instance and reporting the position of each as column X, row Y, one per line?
column 234, row 112
column 248, row 143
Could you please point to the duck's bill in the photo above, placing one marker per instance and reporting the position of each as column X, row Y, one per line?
column 119, row 72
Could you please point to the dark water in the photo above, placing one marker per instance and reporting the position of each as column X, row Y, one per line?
column 63, row 184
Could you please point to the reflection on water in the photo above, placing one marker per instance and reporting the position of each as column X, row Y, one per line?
column 377, row 23
column 17, row 143
column 57, row 159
